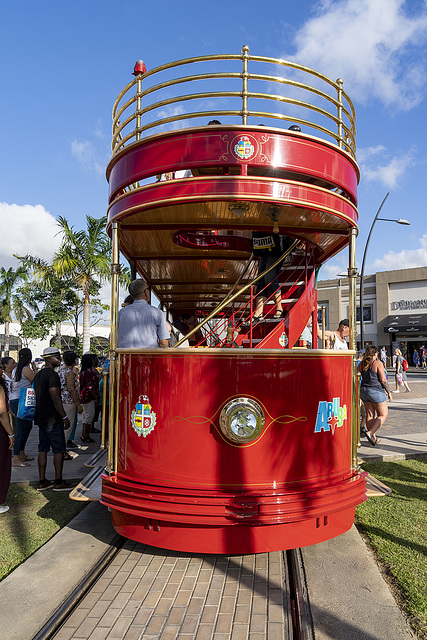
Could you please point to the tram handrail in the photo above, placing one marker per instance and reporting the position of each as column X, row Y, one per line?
column 342, row 112
column 237, row 294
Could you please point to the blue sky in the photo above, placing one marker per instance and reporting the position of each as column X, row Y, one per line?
column 63, row 64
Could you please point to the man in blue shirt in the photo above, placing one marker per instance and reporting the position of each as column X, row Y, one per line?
column 140, row 325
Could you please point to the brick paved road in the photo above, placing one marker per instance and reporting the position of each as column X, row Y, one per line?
column 156, row 594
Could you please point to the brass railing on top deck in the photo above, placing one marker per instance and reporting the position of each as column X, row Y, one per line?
column 133, row 115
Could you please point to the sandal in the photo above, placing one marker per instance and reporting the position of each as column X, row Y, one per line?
column 279, row 314
column 257, row 320
column 88, row 439
column 67, row 456
column 27, row 459
column 22, row 464
column 372, row 440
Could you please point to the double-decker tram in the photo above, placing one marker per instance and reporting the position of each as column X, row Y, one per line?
column 232, row 180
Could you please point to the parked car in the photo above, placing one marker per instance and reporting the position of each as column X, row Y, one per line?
column 39, row 362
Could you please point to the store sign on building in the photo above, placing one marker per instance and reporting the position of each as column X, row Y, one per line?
column 407, row 297
column 402, row 305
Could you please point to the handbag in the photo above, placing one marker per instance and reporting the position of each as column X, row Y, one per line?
column 27, row 404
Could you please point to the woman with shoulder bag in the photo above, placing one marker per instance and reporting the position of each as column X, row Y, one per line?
column 89, row 383
column 374, row 392
column 401, row 377
column 22, row 377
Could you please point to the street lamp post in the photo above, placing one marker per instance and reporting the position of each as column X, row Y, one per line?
column 362, row 272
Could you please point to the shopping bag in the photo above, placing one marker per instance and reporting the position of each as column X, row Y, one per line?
column 399, row 379
column 27, row 404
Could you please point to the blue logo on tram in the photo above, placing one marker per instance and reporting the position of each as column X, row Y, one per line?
column 330, row 415
column 142, row 417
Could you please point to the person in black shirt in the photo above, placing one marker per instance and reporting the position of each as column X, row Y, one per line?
column 51, row 419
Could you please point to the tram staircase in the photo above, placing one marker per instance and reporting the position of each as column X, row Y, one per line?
column 297, row 284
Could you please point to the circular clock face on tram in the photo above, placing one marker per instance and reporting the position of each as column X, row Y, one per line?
column 242, row 420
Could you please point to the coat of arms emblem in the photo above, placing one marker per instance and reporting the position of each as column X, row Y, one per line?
column 143, row 418
column 244, row 149
column 283, row 340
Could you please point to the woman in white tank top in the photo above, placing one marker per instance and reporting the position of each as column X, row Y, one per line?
column 22, row 377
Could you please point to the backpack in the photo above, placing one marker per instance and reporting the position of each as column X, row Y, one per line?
column 175, row 336
column 405, row 364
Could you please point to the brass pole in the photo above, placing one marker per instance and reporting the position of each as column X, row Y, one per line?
column 115, row 273
column 323, row 329
column 138, row 108
column 237, row 294
column 340, row 83
column 245, row 76
column 104, row 422
column 352, row 274
column 116, row 416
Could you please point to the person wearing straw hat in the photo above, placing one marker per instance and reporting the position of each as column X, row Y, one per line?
column 52, row 421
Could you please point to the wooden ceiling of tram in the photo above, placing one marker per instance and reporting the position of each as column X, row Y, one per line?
column 196, row 277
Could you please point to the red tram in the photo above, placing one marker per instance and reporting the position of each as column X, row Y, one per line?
column 246, row 441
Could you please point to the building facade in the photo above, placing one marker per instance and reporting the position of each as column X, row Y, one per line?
column 394, row 308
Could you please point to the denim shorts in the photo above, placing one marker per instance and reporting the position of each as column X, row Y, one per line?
column 52, row 437
column 372, row 395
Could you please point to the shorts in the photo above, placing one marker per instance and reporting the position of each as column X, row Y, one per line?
column 372, row 395
column 52, row 438
column 89, row 412
column 269, row 284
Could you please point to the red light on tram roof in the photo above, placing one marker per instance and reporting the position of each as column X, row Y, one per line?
column 139, row 68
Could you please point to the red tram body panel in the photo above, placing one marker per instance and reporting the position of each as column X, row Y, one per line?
column 245, row 442
column 182, row 484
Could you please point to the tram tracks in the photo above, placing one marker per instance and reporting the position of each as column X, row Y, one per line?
column 302, row 622
column 298, row 624
column 71, row 603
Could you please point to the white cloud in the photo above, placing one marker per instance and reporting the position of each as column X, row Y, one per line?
column 88, row 156
column 169, row 112
column 332, row 270
column 27, row 229
column 377, row 165
column 376, row 46
column 405, row 259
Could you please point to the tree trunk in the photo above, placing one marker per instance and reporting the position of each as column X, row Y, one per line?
column 6, row 337
column 86, row 325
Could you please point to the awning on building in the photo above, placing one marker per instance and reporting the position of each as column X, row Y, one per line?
column 416, row 323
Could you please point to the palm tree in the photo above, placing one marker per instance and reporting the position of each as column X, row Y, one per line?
column 58, row 291
column 84, row 256
column 8, row 302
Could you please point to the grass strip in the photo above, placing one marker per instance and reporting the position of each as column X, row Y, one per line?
column 33, row 518
column 396, row 526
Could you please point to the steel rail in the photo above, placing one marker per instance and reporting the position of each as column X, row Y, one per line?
column 51, row 627
column 300, row 604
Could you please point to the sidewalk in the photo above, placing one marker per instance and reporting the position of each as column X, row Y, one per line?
column 404, row 433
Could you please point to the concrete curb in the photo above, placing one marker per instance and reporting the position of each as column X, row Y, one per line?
column 349, row 598
column 33, row 592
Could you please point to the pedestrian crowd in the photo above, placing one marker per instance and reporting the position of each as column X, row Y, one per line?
column 58, row 393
